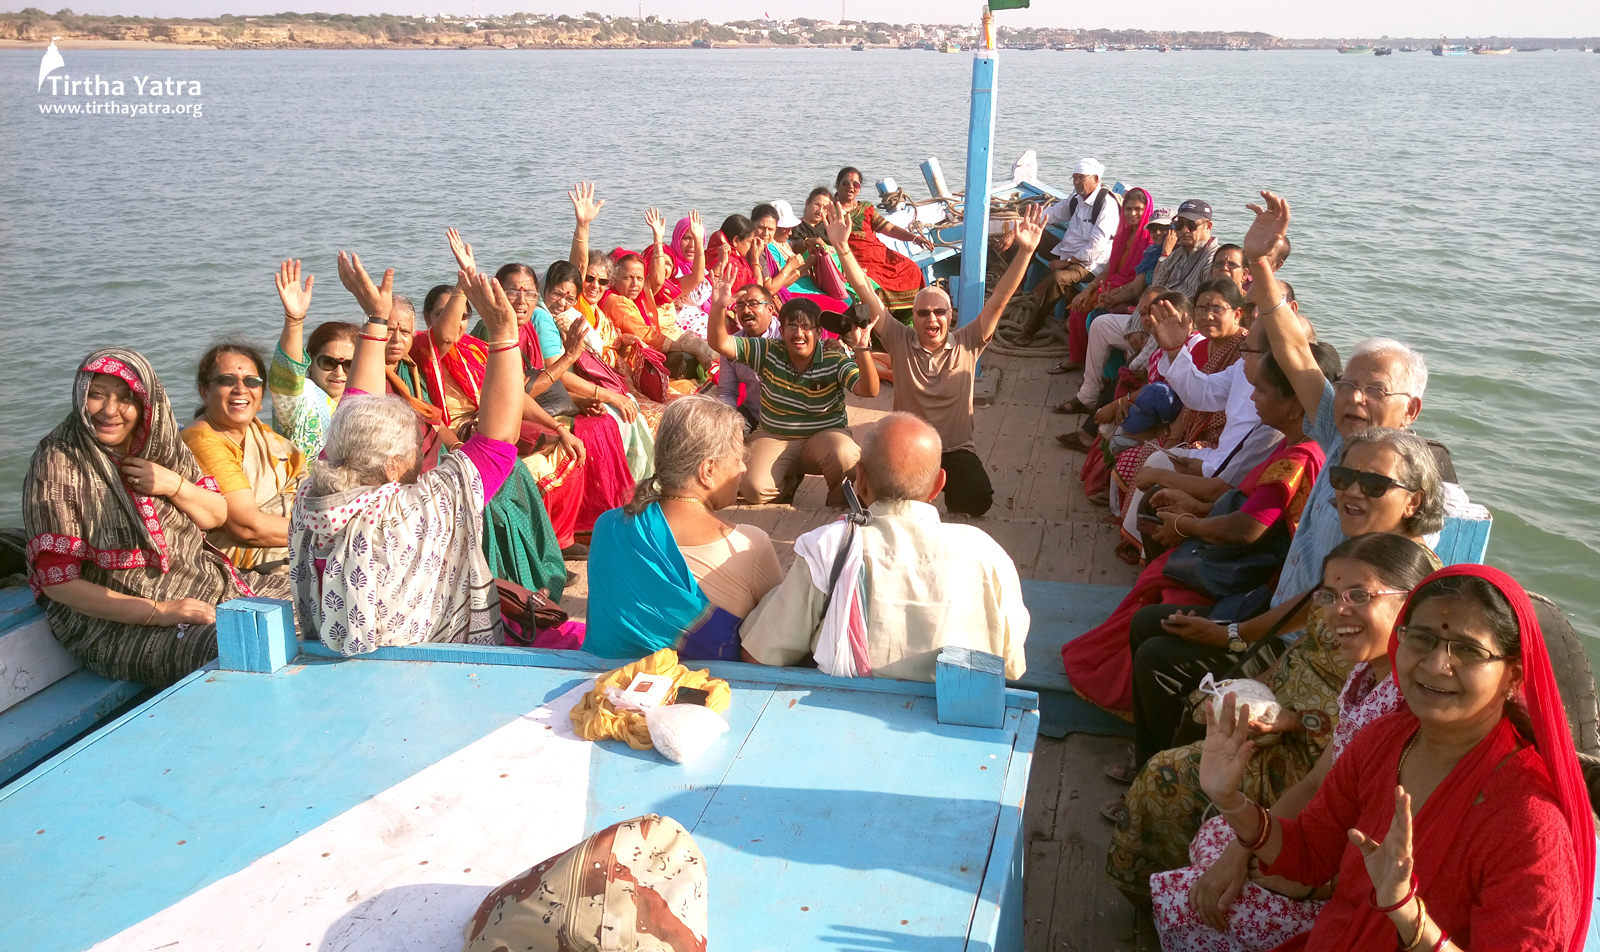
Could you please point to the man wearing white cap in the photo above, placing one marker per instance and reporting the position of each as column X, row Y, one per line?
column 1091, row 219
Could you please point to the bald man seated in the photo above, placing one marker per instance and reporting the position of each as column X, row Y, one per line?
column 925, row 583
column 934, row 368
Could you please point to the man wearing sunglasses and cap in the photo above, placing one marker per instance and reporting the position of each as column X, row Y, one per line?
column 1189, row 264
column 1091, row 219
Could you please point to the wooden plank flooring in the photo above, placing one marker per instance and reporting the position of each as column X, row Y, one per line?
column 1053, row 533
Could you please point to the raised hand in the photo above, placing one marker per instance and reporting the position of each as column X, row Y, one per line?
column 1213, row 893
column 836, row 223
column 697, row 228
column 296, row 297
column 658, row 225
column 858, row 337
column 489, row 299
column 584, row 205
column 1389, row 862
column 462, row 251
column 375, row 300
column 722, row 287
column 1225, row 753
column 572, row 338
column 1272, row 223
column 1170, row 326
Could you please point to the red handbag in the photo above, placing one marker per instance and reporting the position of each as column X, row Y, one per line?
column 650, row 376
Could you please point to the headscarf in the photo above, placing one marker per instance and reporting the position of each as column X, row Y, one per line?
column 1552, row 738
column 96, row 483
column 1127, row 247
column 465, row 363
column 719, row 248
column 645, row 304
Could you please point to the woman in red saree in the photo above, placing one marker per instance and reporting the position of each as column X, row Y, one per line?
column 453, row 363
column 1114, row 290
column 898, row 277
column 1099, row 663
column 1488, row 841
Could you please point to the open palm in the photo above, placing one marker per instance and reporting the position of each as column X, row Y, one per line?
column 1226, row 752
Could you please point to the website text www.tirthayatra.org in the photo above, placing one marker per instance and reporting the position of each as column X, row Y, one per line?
column 116, row 108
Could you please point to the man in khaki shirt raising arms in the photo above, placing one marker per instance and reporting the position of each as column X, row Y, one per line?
column 928, row 584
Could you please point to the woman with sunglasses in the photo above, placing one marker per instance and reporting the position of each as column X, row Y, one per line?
column 1460, row 821
column 299, row 412
column 1220, row 901
column 116, row 510
column 897, row 277
column 257, row 471
column 1164, row 795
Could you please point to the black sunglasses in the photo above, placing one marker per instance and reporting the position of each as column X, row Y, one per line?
column 229, row 381
column 596, row 279
column 1185, row 224
column 1372, row 484
column 327, row 364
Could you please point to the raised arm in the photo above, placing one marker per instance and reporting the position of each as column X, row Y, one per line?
column 1025, row 238
column 585, row 208
column 455, row 307
column 658, row 264
column 837, row 224
column 717, row 325
column 1291, row 346
column 500, row 402
column 697, row 268
column 366, row 374
column 296, row 300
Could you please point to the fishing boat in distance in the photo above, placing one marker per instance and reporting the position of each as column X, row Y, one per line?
column 859, row 47
column 1410, row 49
column 1491, row 50
column 1445, row 49
column 1355, row 49
column 1383, row 51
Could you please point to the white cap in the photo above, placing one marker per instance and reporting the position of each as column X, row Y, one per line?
column 786, row 215
column 1089, row 167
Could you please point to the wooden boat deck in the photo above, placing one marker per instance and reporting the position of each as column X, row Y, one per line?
column 1053, row 534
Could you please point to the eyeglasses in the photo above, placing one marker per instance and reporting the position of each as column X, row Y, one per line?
column 798, row 325
column 1373, row 392
column 519, row 294
column 852, row 183
column 327, row 364
column 1372, row 484
column 931, row 312
column 1464, row 653
column 229, row 381
column 750, row 305
column 1158, row 229
column 1215, row 310
column 1185, row 224
column 596, row 279
column 1326, row 597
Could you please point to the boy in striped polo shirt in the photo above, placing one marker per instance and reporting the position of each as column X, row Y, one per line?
column 804, row 428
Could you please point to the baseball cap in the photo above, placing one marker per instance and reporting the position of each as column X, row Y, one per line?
column 1156, row 405
column 1161, row 216
column 786, row 215
column 1195, row 209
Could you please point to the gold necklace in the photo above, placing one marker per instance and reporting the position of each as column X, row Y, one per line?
column 693, row 499
column 1404, row 754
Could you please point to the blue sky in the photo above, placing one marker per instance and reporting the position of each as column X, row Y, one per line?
column 1368, row 18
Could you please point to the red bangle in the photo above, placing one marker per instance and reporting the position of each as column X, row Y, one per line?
column 496, row 350
column 1443, row 938
column 1410, row 895
column 1266, row 830
column 370, row 337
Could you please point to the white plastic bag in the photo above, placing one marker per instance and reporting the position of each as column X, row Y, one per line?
column 683, row 732
column 1254, row 696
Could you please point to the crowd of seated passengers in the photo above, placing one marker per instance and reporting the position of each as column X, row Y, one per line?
column 397, row 466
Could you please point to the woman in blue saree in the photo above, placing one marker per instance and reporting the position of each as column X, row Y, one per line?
column 664, row 571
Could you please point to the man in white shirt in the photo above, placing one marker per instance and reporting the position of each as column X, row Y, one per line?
column 927, row 584
column 1091, row 218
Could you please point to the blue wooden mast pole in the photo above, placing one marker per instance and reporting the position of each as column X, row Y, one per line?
column 980, row 162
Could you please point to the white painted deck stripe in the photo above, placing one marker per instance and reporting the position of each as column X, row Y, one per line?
column 404, row 871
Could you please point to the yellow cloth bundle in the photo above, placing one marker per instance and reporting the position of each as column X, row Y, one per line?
column 596, row 718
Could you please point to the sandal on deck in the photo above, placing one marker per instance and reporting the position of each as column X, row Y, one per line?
column 1073, row 405
column 1122, row 772
column 1129, row 553
column 1114, row 810
column 1074, row 441
column 1065, row 367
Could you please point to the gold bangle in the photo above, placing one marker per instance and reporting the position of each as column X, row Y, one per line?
column 148, row 618
column 497, row 343
column 1422, row 926
column 1176, row 525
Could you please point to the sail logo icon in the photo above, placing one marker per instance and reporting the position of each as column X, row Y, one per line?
column 52, row 61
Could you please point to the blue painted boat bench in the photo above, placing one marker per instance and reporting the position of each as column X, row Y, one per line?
column 370, row 803
column 47, row 698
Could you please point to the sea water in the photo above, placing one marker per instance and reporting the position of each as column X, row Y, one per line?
column 1448, row 202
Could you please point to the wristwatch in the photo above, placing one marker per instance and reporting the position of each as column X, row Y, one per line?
column 1311, row 721
column 1235, row 643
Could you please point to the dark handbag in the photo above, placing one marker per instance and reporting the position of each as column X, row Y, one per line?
column 1219, row 571
column 532, row 611
column 555, row 400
